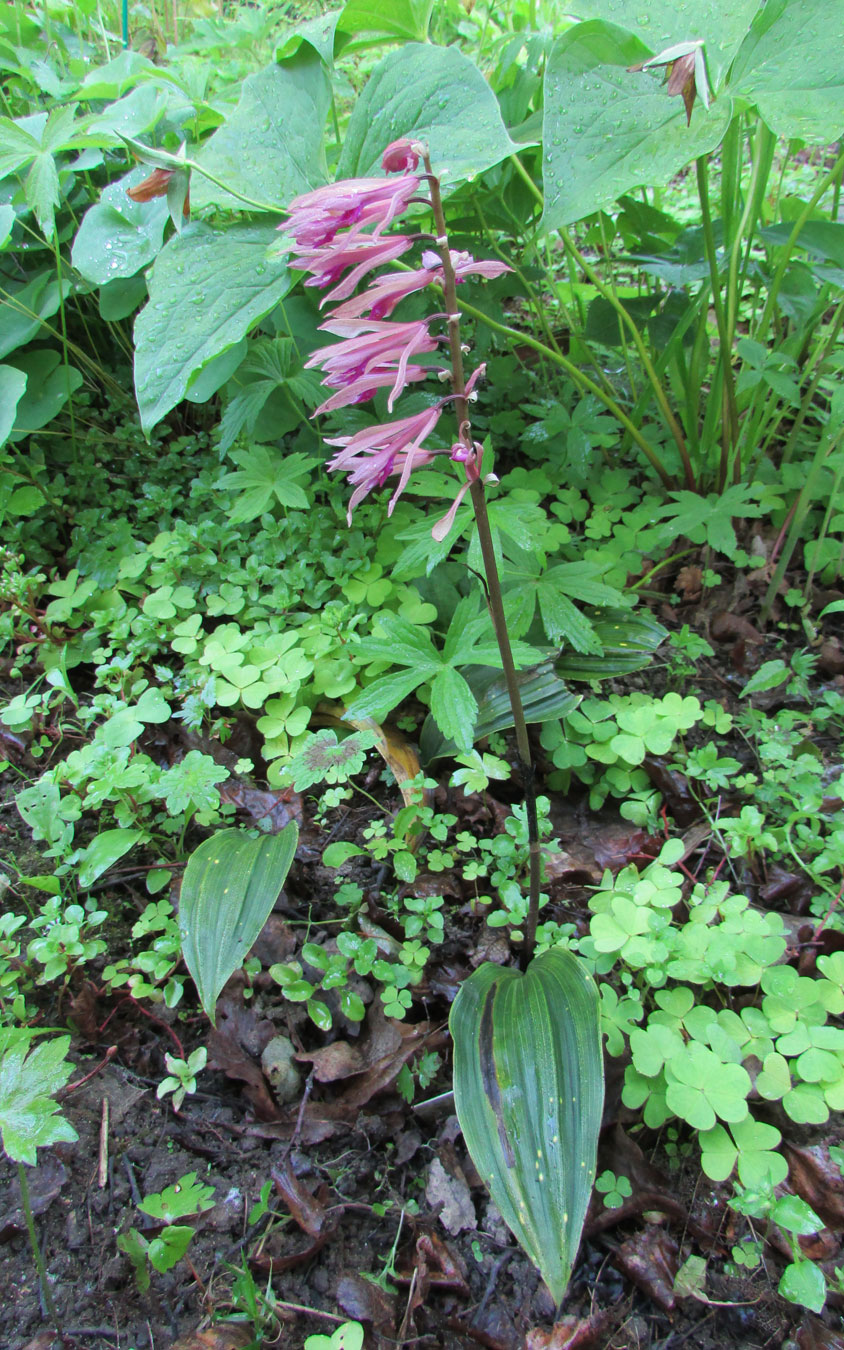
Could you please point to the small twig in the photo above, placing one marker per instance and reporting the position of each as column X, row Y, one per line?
column 71, row 1087
column 300, row 1117
column 102, row 1166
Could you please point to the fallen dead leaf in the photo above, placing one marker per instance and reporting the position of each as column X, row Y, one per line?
column 340, row 1060
column 225, row 1054
column 813, row 1335
column 367, row 1302
column 42, row 1341
column 216, row 1338
column 817, row 1180
column 573, row 1333
column 306, row 1209
column 451, row 1197
column 275, row 809
column 650, row 1260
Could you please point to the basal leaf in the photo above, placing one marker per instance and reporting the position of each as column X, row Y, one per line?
column 529, row 1090
column 230, row 885
column 207, row 289
column 433, row 94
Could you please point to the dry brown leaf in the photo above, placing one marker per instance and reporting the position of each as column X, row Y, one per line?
column 275, row 809
column 726, row 627
column 225, row 1054
column 650, row 1260
column 572, row 1333
column 367, row 1302
column 306, row 1209
column 816, row 1179
column 340, row 1060
column 215, row 1338
column 450, row 1196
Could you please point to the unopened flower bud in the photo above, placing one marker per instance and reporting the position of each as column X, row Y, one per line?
column 400, row 156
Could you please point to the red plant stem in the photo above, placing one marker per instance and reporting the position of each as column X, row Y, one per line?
column 152, row 1017
column 493, row 583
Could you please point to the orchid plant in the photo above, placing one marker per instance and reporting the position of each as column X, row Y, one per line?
column 338, row 236
column 528, row 1071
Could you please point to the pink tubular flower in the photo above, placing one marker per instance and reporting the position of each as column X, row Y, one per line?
column 400, row 156
column 315, row 217
column 371, row 348
column 360, row 252
column 370, row 456
column 380, row 299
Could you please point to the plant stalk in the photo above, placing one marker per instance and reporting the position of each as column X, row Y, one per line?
column 495, row 599
column 46, row 1292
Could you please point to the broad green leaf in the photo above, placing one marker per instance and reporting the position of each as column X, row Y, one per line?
column 104, row 851
column 115, row 77
column 119, row 299
column 266, row 476
column 379, row 698
column 230, row 885
column 433, row 94
column 28, row 1083
column 790, row 66
column 7, row 220
column 270, row 148
column 136, row 113
column 24, row 311
column 117, row 236
column 607, row 129
column 628, row 641
column 318, row 33
column 662, row 23
column 454, row 707
column 207, row 289
column 407, row 19
column 49, row 385
column 529, row 1090
column 544, row 697
column 12, row 385
column 41, row 191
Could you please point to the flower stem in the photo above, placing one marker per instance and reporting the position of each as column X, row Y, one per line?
column 46, row 1292
column 495, row 599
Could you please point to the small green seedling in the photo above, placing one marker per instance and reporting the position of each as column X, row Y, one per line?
column 615, row 1190
column 182, row 1075
column 349, row 1336
column 185, row 1198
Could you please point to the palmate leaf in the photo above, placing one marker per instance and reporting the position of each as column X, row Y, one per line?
column 230, row 885
column 529, row 1091
column 265, row 476
column 30, row 1075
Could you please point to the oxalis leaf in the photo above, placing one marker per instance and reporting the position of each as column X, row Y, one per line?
column 529, row 1091
column 230, row 885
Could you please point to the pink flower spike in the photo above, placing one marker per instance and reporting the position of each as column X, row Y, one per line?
column 367, row 387
column 380, row 299
column 400, row 156
column 360, row 252
column 370, row 346
column 315, row 217
column 371, row 455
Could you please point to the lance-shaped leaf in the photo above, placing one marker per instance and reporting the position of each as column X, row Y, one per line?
column 230, row 885
column 529, row 1091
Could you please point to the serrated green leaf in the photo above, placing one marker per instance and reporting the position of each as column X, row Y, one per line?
column 30, row 1076
column 230, row 885
column 528, row 1089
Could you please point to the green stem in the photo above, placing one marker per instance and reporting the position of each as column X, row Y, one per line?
column 66, row 362
column 729, row 427
column 580, row 379
column 46, row 1291
column 654, row 380
column 495, row 598
column 776, row 281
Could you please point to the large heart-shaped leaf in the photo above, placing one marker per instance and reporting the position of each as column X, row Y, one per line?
column 433, row 94
column 607, row 129
column 271, row 147
column 230, row 885
column 207, row 289
column 12, row 385
column 399, row 18
column 529, row 1091
column 790, row 66
column 117, row 236
column 663, row 23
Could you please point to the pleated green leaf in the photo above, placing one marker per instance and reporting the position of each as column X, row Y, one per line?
column 529, row 1091
column 230, row 885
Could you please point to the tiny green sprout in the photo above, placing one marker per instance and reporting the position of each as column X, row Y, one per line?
column 615, row 1190
column 181, row 1076
column 349, row 1336
column 477, row 770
